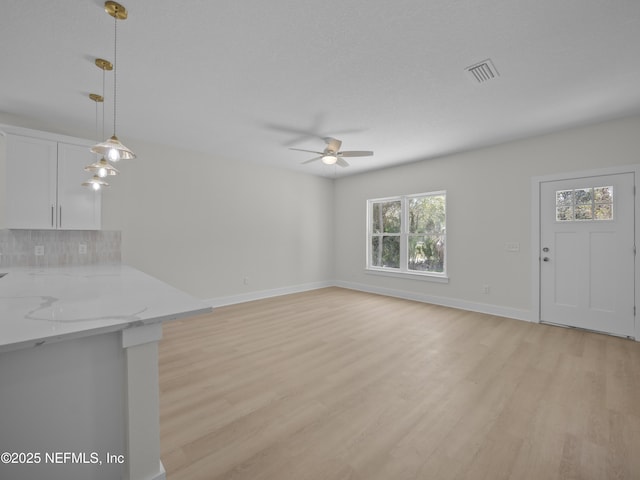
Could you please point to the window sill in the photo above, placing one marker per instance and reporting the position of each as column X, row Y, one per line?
column 427, row 277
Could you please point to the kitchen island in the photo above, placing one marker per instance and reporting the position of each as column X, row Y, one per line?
column 79, row 371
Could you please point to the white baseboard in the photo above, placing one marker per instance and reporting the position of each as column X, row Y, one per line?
column 261, row 294
column 497, row 310
column 161, row 475
column 508, row 312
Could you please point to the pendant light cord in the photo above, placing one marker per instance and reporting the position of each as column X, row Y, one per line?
column 104, row 73
column 115, row 71
column 96, row 132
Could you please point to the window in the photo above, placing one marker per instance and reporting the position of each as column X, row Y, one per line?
column 407, row 234
column 584, row 204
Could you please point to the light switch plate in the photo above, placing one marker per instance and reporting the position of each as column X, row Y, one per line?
column 512, row 246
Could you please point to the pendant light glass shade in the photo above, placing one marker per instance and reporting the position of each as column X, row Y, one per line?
column 102, row 168
column 95, row 182
column 112, row 148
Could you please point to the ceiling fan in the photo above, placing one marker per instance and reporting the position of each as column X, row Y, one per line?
column 332, row 154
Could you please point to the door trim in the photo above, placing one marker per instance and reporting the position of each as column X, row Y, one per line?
column 536, row 227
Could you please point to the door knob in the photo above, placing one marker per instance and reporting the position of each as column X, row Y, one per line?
column 545, row 249
column 545, row 259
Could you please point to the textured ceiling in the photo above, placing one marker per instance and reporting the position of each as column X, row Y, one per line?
column 246, row 80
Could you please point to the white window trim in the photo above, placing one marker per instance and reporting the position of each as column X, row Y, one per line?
column 403, row 271
column 427, row 277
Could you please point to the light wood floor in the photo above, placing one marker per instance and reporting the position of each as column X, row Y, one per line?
column 335, row 384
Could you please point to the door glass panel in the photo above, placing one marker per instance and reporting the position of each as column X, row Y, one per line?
column 603, row 212
column 564, row 213
column 564, row 197
column 583, row 196
column 583, row 204
column 584, row 212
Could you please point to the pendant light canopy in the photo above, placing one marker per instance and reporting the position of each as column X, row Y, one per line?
column 112, row 148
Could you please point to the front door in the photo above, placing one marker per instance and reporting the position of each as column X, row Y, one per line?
column 587, row 253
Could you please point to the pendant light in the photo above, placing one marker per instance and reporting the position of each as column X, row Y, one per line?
column 95, row 182
column 102, row 167
column 112, row 148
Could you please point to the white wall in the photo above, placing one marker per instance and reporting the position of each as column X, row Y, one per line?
column 488, row 204
column 205, row 224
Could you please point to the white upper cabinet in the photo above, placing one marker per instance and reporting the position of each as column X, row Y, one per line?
column 31, row 182
column 79, row 208
column 44, row 188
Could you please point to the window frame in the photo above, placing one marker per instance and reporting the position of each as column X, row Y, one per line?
column 403, row 271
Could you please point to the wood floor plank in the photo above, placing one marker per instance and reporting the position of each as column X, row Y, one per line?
column 342, row 385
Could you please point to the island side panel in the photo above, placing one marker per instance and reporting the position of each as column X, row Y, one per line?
column 65, row 402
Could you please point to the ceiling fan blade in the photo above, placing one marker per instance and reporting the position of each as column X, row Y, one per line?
column 356, row 153
column 342, row 162
column 298, row 131
column 311, row 160
column 308, row 151
column 333, row 144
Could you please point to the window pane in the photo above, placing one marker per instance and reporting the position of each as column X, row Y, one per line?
column 603, row 212
column 385, row 252
column 427, row 214
column 564, row 214
column 564, row 198
column 603, row 194
column 426, row 253
column 386, row 217
column 583, row 197
column 584, row 212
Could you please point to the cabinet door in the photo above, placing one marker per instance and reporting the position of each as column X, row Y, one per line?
column 31, row 183
column 79, row 208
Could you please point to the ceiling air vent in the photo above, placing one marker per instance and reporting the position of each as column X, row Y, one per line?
column 482, row 72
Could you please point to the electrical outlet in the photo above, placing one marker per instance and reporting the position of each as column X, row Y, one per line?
column 39, row 250
column 245, row 280
column 82, row 249
column 486, row 289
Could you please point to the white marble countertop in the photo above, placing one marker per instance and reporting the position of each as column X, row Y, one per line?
column 43, row 305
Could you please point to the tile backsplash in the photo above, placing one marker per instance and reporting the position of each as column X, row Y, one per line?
column 18, row 248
